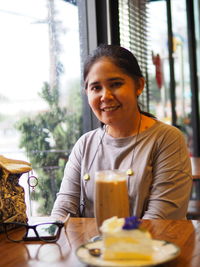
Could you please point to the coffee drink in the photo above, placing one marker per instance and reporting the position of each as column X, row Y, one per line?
column 111, row 195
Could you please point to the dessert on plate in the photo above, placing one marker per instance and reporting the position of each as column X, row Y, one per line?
column 124, row 239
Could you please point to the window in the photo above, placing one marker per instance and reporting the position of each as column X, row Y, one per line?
column 133, row 35
column 160, row 97
column 40, row 99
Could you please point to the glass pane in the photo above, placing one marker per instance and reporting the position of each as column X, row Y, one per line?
column 160, row 104
column 181, row 65
column 40, row 99
column 197, row 32
column 159, row 76
column 46, row 230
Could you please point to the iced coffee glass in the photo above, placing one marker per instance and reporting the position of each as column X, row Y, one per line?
column 111, row 195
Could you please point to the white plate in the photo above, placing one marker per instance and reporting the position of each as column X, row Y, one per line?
column 163, row 252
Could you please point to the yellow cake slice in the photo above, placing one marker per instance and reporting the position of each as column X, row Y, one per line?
column 123, row 239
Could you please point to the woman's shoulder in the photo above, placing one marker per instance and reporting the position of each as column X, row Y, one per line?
column 86, row 141
column 88, row 137
column 91, row 134
column 163, row 133
column 165, row 128
column 169, row 128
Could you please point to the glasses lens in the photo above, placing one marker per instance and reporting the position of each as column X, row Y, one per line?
column 15, row 234
column 48, row 231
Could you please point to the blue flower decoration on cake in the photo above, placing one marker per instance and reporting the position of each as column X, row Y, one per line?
column 131, row 223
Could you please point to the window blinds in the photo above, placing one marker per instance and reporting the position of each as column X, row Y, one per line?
column 133, row 21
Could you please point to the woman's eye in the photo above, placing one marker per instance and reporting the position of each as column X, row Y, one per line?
column 116, row 84
column 95, row 88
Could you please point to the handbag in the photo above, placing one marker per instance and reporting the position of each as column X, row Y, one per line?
column 12, row 196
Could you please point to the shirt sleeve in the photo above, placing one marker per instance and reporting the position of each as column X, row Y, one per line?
column 172, row 181
column 68, row 197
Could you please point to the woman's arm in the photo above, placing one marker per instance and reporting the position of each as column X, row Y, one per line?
column 68, row 197
column 171, row 187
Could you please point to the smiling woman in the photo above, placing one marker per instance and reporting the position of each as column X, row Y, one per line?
column 112, row 95
column 154, row 154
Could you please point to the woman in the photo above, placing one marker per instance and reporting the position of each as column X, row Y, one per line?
column 153, row 153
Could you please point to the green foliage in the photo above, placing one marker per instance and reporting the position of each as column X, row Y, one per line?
column 48, row 138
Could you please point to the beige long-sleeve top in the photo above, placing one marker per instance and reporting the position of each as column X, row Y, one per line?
column 160, row 186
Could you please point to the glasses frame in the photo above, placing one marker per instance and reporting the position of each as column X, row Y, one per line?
column 37, row 237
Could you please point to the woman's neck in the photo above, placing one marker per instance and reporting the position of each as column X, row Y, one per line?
column 126, row 128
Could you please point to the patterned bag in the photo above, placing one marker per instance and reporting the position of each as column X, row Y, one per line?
column 12, row 198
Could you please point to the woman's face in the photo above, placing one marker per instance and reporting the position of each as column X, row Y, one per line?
column 112, row 94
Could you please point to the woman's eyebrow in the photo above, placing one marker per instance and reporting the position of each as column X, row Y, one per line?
column 108, row 80
column 115, row 78
column 93, row 83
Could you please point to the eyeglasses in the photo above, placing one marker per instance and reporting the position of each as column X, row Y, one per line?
column 48, row 232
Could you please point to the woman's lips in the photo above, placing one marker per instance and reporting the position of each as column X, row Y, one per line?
column 110, row 108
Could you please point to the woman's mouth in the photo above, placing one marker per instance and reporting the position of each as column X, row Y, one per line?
column 110, row 108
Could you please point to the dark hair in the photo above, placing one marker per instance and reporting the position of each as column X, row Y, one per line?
column 121, row 57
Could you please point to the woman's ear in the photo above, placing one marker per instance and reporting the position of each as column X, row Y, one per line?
column 141, row 83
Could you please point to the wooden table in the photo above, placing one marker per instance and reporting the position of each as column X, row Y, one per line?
column 195, row 161
column 185, row 234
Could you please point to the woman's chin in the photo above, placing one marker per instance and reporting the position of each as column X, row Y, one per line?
column 107, row 121
column 110, row 120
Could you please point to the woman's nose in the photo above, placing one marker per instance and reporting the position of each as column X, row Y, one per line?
column 106, row 94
